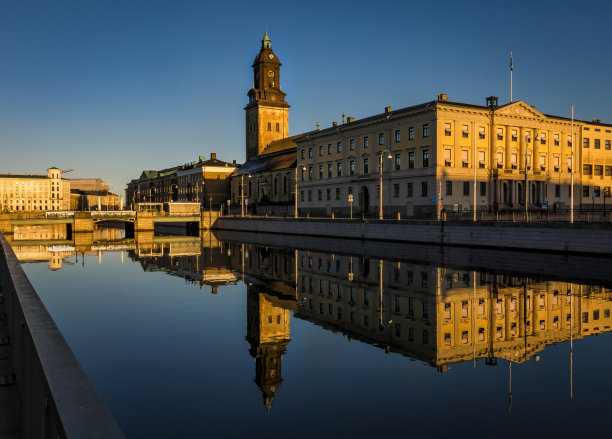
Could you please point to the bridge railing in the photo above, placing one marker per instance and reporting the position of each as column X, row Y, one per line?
column 112, row 213
column 57, row 398
column 59, row 214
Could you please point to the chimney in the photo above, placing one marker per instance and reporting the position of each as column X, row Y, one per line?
column 442, row 96
column 387, row 110
column 596, row 120
column 213, row 155
column 234, row 161
column 350, row 119
column 334, row 124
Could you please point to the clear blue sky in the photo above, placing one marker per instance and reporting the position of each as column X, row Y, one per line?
column 110, row 88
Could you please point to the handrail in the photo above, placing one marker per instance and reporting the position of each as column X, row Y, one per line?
column 58, row 400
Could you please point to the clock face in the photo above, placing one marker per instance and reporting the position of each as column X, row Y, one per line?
column 271, row 56
column 270, row 74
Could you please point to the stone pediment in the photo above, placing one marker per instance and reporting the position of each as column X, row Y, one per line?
column 519, row 109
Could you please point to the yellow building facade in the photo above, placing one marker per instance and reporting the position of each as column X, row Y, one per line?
column 27, row 193
column 455, row 156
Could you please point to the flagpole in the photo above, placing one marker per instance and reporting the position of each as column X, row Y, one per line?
column 572, row 173
column 511, row 68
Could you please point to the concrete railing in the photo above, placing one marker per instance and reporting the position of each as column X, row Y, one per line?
column 57, row 398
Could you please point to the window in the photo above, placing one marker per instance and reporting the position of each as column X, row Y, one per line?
column 425, row 304
column 542, row 162
column 465, row 160
column 277, row 126
column 410, row 159
column 514, row 160
column 556, row 163
column 337, row 193
column 320, row 149
column 481, row 132
column 339, row 147
column 352, row 144
column 352, row 167
column 500, row 160
column 425, row 158
column 466, row 188
column 423, row 189
column 607, row 144
column 608, row 171
column 483, row 188
column 514, row 137
column 569, row 140
column 310, row 172
column 381, row 139
column 309, row 152
column 366, row 142
column 301, row 195
column 587, row 169
column 557, row 190
column 398, row 161
column 465, row 131
column 320, row 194
column 328, row 194
column 366, row 299
column 542, row 138
column 366, row 166
column 309, row 195
column 329, row 149
column 397, row 135
column 320, row 171
column 409, row 190
column 339, row 169
column 426, row 130
column 447, row 129
column 396, row 190
column 303, row 153
column 597, row 144
column 596, row 191
column 585, row 142
column 598, row 170
column 449, row 188
column 481, row 159
column 585, row 191
column 447, row 157
column 500, row 134
column 411, row 133
column 329, row 170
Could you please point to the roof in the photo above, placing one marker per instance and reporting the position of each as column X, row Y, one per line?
column 425, row 106
column 215, row 162
column 281, row 145
column 22, row 176
column 282, row 160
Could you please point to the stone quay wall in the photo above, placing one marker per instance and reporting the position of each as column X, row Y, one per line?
column 581, row 238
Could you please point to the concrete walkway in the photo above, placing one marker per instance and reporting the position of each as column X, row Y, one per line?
column 10, row 405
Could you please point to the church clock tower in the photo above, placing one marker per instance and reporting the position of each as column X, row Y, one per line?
column 267, row 113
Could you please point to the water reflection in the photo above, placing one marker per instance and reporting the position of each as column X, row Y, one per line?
column 437, row 315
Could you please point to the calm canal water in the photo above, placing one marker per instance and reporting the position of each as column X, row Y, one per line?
column 187, row 337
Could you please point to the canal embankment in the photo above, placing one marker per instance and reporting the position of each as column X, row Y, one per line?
column 577, row 238
column 57, row 400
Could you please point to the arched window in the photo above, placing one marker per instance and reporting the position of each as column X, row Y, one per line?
column 269, row 126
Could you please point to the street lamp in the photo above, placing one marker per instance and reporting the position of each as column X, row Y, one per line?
column 242, row 193
column 380, row 191
column 303, row 167
column 199, row 182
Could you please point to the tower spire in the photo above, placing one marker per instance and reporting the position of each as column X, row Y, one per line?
column 266, row 43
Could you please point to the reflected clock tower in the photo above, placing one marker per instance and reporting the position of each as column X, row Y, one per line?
column 267, row 113
column 268, row 334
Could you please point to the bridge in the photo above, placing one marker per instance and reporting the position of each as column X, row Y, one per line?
column 83, row 222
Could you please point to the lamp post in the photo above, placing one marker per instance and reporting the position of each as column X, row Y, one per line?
column 242, row 194
column 303, row 167
column 380, row 182
column 197, row 183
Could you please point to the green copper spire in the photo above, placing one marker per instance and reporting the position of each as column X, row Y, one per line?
column 266, row 43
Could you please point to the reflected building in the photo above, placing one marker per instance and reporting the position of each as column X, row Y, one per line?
column 268, row 333
column 437, row 315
